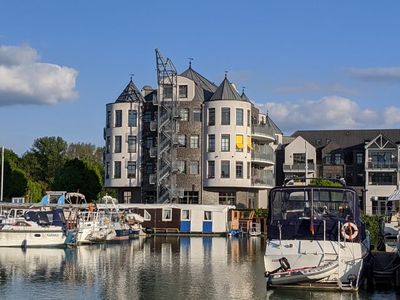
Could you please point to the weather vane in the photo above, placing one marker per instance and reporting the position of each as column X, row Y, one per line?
column 226, row 73
column 131, row 74
column 190, row 61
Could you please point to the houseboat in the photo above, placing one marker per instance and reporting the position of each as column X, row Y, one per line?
column 315, row 238
column 182, row 218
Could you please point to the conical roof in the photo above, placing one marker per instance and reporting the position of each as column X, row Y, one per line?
column 244, row 97
column 226, row 91
column 273, row 125
column 130, row 94
column 204, row 88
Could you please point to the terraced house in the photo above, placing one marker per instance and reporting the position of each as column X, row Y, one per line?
column 190, row 142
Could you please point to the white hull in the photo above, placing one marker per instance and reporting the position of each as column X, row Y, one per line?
column 307, row 253
column 32, row 238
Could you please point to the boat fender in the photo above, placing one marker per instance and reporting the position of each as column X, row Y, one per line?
column 349, row 231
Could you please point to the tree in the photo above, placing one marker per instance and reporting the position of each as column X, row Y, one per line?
column 85, row 151
column 325, row 182
column 15, row 179
column 80, row 175
column 46, row 158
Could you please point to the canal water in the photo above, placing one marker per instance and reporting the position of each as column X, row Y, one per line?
column 149, row 268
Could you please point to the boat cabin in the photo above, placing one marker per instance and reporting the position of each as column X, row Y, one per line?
column 311, row 212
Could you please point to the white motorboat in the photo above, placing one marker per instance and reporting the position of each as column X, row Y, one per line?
column 315, row 236
column 255, row 229
column 33, row 229
column 93, row 227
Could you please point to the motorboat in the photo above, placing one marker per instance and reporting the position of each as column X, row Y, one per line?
column 255, row 229
column 391, row 230
column 33, row 228
column 315, row 237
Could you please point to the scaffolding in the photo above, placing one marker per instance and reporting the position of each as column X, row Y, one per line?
column 167, row 118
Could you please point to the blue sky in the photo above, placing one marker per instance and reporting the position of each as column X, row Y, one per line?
column 311, row 64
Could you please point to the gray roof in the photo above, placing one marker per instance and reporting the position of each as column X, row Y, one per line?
column 204, row 88
column 130, row 94
column 226, row 91
column 273, row 125
column 244, row 96
column 346, row 138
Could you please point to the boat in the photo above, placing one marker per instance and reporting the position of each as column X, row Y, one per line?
column 315, row 237
column 33, row 229
column 255, row 229
column 391, row 231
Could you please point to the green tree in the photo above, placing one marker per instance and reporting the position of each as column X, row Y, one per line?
column 15, row 179
column 325, row 182
column 35, row 191
column 45, row 159
column 80, row 175
column 85, row 151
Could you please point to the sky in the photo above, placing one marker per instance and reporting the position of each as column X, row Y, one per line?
column 309, row 64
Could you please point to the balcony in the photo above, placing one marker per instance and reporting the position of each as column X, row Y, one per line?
column 263, row 132
column 262, row 154
column 382, row 165
column 262, row 178
column 299, row 168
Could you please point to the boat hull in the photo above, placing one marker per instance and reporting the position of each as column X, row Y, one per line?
column 32, row 238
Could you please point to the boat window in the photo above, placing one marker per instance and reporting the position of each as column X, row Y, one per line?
column 20, row 213
column 289, row 204
column 185, row 214
column 333, row 203
column 147, row 216
column 167, row 214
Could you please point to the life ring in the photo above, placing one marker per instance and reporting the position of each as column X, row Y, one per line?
column 349, row 231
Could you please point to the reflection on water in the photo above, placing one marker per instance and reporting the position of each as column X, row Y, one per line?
column 148, row 268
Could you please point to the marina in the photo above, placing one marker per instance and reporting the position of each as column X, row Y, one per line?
column 162, row 267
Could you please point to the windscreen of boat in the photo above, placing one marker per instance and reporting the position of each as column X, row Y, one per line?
column 320, row 203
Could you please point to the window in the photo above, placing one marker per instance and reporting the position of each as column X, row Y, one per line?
column 108, row 145
column 117, row 144
column 239, row 169
column 131, row 169
column 211, row 143
column 248, row 170
column 132, row 118
column 182, row 140
column 359, row 158
column 127, row 196
column 118, row 118
column 183, row 91
column 149, row 168
column 338, row 158
column 147, row 116
column 194, row 141
column 227, row 198
column 196, row 115
column 299, row 158
column 185, row 215
column 190, row 197
column 117, row 169
column 107, row 170
column 225, row 168
column 225, row 116
column 167, row 214
column 239, row 143
column 147, row 216
column 149, row 142
column 108, row 119
column 184, row 114
column 248, row 118
column 211, row 169
column 327, row 158
column 211, row 116
column 225, row 143
column 207, row 215
column 194, row 167
column 181, row 166
column 131, row 143
column 168, row 91
column 239, row 116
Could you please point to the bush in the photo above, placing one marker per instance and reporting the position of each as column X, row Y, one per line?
column 374, row 226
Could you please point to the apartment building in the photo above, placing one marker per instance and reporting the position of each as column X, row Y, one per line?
column 223, row 147
column 367, row 159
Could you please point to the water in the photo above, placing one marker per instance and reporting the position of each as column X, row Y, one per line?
column 148, row 268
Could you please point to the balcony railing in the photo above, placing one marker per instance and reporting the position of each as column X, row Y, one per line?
column 297, row 167
column 262, row 178
column 263, row 130
column 264, row 154
column 382, row 165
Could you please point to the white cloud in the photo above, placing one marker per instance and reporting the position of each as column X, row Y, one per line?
column 330, row 112
column 26, row 80
column 390, row 74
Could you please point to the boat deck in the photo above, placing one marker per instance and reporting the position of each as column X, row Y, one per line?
column 315, row 286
